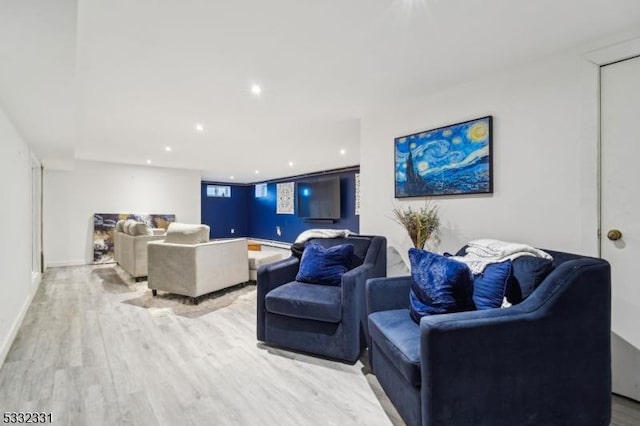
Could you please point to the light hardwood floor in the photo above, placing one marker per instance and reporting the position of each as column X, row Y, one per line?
column 89, row 355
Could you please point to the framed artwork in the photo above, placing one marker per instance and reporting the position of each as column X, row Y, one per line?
column 284, row 204
column 451, row 160
column 104, row 225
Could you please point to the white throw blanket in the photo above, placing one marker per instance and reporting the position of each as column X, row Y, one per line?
column 481, row 253
column 323, row 233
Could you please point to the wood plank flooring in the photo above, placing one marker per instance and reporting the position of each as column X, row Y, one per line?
column 625, row 412
column 89, row 357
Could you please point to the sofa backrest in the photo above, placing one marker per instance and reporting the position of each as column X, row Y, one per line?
column 182, row 233
column 578, row 286
column 559, row 257
column 360, row 247
column 361, row 244
column 516, row 292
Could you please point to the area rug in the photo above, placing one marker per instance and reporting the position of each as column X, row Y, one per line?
column 111, row 279
column 116, row 280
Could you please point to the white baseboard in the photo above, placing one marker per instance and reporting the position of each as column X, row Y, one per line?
column 60, row 263
column 36, row 278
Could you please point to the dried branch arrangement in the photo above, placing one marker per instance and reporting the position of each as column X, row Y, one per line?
column 421, row 224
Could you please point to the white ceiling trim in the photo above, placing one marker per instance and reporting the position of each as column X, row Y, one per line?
column 614, row 53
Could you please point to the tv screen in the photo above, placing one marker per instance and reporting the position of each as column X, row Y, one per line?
column 319, row 199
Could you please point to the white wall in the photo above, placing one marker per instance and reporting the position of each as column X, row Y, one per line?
column 545, row 147
column 16, row 285
column 71, row 197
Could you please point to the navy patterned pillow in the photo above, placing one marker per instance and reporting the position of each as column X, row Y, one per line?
column 325, row 266
column 440, row 285
column 490, row 285
column 527, row 274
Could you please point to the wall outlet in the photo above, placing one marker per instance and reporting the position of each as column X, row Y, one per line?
column 233, row 231
column 278, row 231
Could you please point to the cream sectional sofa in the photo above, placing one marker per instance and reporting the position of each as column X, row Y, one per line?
column 259, row 258
column 130, row 246
column 187, row 263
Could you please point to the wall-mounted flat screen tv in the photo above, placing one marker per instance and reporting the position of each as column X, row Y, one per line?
column 319, row 199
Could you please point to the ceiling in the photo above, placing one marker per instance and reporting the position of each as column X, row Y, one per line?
column 120, row 81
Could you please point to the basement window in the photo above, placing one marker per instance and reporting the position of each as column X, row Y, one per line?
column 219, row 191
column 261, row 190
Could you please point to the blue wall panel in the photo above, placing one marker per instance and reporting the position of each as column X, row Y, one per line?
column 263, row 221
column 224, row 214
column 257, row 218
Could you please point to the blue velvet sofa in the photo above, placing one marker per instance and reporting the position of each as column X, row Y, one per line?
column 545, row 361
column 320, row 319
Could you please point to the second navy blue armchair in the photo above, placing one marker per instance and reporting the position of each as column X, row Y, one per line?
column 545, row 361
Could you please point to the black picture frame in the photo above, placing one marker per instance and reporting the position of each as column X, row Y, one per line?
column 456, row 159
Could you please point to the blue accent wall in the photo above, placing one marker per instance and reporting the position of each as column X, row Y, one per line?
column 257, row 218
column 224, row 214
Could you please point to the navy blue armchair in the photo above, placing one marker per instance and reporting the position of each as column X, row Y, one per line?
column 320, row 319
column 545, row 361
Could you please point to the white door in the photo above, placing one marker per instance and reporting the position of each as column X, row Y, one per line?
column 620, row 210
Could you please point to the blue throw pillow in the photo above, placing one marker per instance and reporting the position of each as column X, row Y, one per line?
column 325, row 266
column 527, row 274
column 489, row 286
column 440, row 285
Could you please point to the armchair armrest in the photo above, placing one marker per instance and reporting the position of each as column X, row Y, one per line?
column 213, row 243
column 356, row 276
column 275, row 274
column 384, row 294
column 354, row 300
column 196, row 269
column 551, row 351
column 148, row 238
column 271, row 276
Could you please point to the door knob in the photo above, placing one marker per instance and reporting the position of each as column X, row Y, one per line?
column 614, row 235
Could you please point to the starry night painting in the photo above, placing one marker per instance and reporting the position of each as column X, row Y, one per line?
column 450, row 160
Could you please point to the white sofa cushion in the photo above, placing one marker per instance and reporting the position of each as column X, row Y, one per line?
column 259, row 258
column 126, row 227
column 182, row 233
column 140, row 228
column 120, row 226
column 158, row 231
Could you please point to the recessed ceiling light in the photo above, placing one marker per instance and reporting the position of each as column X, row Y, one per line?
column 256, row 89
column 148, row 161
column 257, row 172
column 167, row 148
column 290, row 163
column 199, row 127
column 232, row 177
column 343, row 152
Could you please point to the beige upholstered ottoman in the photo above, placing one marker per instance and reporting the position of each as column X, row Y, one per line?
column 259, row 258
